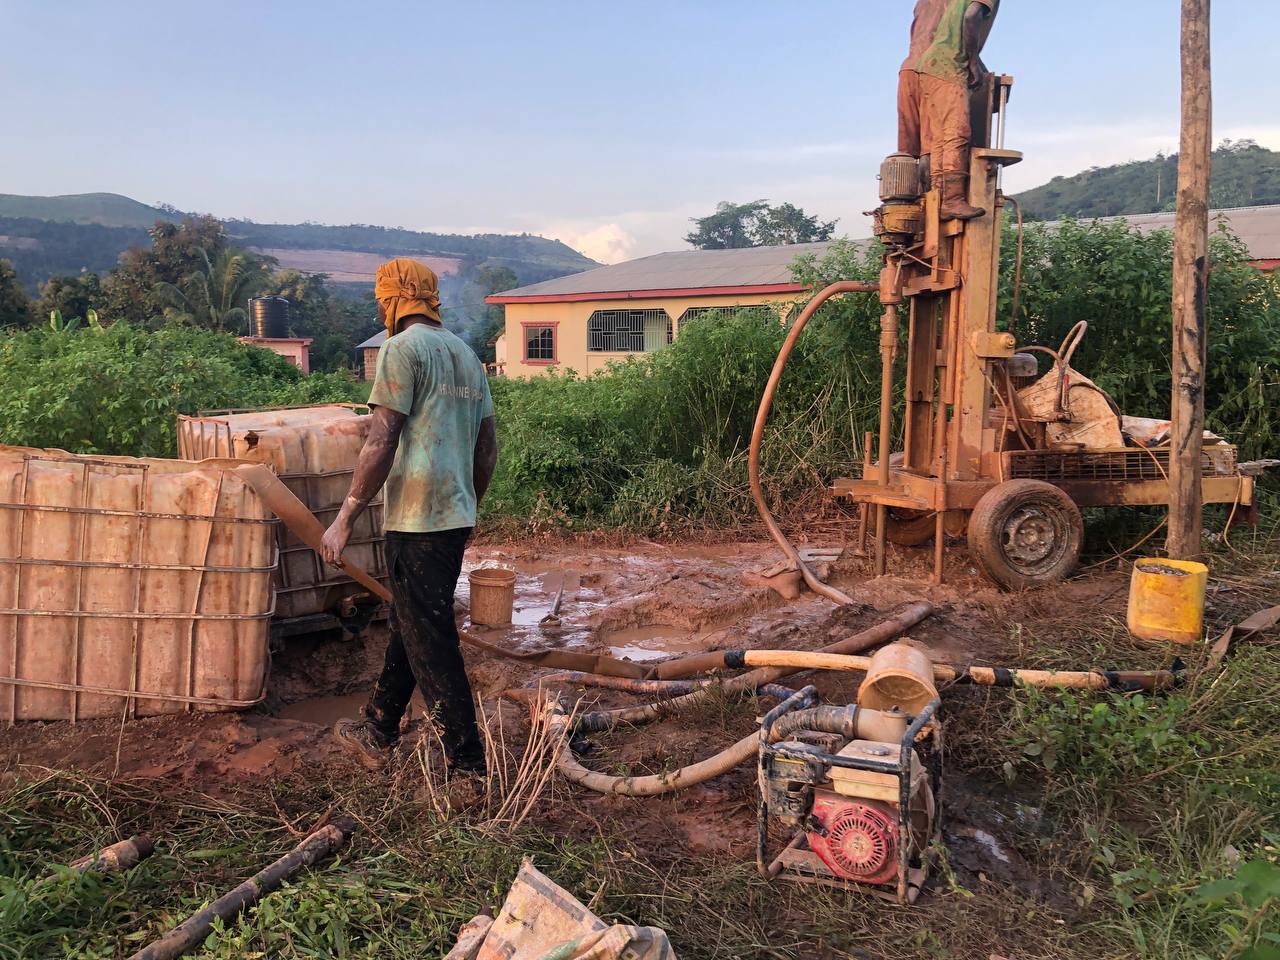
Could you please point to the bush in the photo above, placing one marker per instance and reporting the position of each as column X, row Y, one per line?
column 119, row 390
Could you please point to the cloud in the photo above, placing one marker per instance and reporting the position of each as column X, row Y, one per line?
column 608, row 242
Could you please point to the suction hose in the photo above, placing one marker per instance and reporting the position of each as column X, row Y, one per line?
column 762, row 417
column 865, row 724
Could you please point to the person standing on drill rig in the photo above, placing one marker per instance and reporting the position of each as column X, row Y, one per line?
column 933, row 93
column 432, row 442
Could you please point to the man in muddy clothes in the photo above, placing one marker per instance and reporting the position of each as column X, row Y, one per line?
column 947, row 37
column 432, row 442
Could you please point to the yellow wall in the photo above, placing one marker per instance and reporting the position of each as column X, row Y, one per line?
column 571, row 327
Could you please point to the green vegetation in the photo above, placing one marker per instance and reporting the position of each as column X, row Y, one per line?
column 528, row 254
column 1160, row 813
column 659, row 443
column 757, row 224
column 119, row 390
column 15, row 307
column 1244, row 175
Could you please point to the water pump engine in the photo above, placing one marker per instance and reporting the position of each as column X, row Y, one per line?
column 862, row 812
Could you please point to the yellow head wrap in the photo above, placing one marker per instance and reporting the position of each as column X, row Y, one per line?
column 406, row 288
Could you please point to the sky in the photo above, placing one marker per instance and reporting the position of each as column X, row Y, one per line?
column 607, row 126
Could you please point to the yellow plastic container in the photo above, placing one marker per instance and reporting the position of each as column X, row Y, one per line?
column 1166, row 600
column 493, row 594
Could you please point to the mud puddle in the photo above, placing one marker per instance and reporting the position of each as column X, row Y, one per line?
column 326, row 711
column 656, row 641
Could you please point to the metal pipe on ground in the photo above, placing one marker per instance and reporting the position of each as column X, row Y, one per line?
column 762, row 418
column 655, row 687
column 193, row 931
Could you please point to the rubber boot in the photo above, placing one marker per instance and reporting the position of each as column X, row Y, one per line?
column 955, row 205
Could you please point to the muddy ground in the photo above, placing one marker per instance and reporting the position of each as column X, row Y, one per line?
column 641, row 602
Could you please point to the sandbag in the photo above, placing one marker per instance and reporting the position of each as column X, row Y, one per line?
column 542, row 921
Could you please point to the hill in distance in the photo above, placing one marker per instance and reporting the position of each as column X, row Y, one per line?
column 45, row 236
column 103, row 209
column 1244, row 175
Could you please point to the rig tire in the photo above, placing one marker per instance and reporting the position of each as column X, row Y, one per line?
column 907, row 528
column 1025, row 533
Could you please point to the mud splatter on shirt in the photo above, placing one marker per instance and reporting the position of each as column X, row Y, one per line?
column 434, row 378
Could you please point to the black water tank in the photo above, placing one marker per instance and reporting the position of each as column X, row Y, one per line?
column 269, row 316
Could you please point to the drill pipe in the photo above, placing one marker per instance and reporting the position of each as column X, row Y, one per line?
column 113, row 859
column 762, row 417
column 658, row 687
column 193, row 931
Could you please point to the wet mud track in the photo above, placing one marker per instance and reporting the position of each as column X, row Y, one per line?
column 641, row 603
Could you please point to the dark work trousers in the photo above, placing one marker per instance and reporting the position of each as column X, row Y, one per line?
column 423, row 649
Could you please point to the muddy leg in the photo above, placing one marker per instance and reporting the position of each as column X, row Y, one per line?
column 390, row 697
column 424, row 575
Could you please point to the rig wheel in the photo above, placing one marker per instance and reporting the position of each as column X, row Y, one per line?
column 903, row 526
column 1025, row 533
column 907, row 528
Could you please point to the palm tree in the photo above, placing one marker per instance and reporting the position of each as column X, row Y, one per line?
column 210, row 296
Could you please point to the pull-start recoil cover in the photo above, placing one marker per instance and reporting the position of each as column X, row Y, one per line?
column 857, row 839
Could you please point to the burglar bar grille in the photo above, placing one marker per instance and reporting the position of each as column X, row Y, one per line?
column 1123, row 465
column 628, row 331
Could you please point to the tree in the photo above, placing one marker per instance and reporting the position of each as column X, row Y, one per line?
column 787, row 223
column 129, row 291
column 757, row 224
column 15, row 307
column 211, row 295
column 71, row 296
column 492, row 279
column 730, row 227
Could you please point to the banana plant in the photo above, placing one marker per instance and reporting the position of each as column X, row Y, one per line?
column 58, row 325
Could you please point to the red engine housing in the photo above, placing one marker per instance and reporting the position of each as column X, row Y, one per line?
column 857, row 839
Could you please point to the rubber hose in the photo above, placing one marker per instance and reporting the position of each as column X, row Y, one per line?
column 895, row 626
column 868, row 724
column 762, row 417
column 849, row 722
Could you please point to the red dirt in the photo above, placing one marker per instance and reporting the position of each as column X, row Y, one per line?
column 637, row 601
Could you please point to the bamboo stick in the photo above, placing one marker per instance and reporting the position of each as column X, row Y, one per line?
column 112, row 859
column 193, row 931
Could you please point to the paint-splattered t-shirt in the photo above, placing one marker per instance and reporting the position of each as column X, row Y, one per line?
column 436, row 380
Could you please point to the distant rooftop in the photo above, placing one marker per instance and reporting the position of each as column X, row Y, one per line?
column 748, row 270
column 377, row 340
column 768, row 269
column 1257, row 227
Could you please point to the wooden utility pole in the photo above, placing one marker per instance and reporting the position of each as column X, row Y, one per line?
column 1190, row 286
